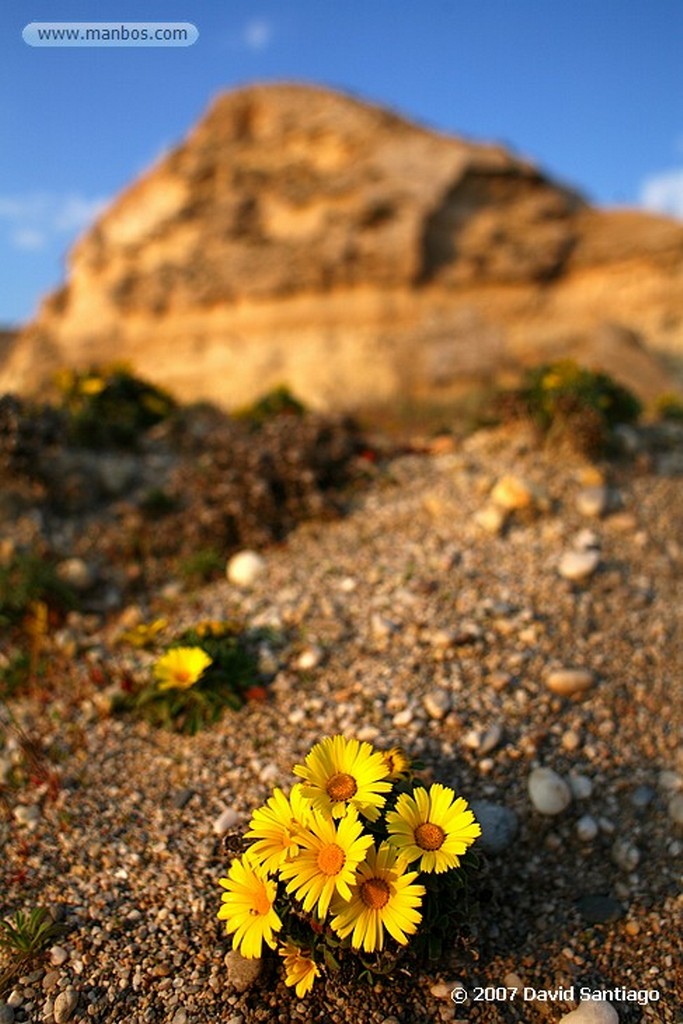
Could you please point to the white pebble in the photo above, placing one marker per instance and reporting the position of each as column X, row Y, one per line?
column 58, row 956
column 491, row 518
column 65, row 1004
column 245, row 567
column 593, row 501
column 625, row 855
column 590, row 1012
column 549, row 793
column 578, row 565
column 402, row 718
column 676, row 808
column 225, row 821
column 586, row 828
column 28, row 816
column 76, row 573
column 309, row 658
column 437, row 704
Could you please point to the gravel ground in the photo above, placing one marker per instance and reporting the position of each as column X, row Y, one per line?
column 423, row 625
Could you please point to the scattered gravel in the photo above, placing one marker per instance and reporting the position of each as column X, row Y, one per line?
column 126, row 844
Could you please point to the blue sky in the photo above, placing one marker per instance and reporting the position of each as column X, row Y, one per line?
column 592, row 90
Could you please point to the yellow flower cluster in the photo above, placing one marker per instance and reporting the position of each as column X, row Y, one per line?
column 313, row 847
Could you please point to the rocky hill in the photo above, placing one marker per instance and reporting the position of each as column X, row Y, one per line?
column 301, row 236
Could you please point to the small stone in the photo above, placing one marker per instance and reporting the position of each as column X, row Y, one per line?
column 77, row 573
column 580, row 785
column 571, row 740
column 491, row 518
column 226, row 820
column 65, row 1004
column 669, row 780
column 437, row 704
column 182, row 798
column 242, row 973
column 491, row 738
column 676, row 808
column 15, row 998
column 549, row 792
column 642, row 797
column 499, row 825
column 28, row 816
column 51, row 980
column 382, row 626
column 587, row 828
column 6, row 1014
column 587, row 540
column 180, row 1016
column 593, row 501
column 625, row 854
column 402, row 718
column 596, row 908
column 569, row 681
column 512, row 493
column 440, row 990
column 244, row 568
column 592, row 1012
column 58, row 956
column 309, row 658
column 578, row 565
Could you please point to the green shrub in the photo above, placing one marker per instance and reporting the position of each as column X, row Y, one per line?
column 277, row 402
column 110, row 407
column 27, row 579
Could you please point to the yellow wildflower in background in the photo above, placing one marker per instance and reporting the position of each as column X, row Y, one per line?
column 300, row 970
column 340, row 773
column 435, row 827
column 397, row 763
column 276, row 827
column 384, row 897
column 181, row 667
column 327, row 860
column 144, row 634
column 247, row 907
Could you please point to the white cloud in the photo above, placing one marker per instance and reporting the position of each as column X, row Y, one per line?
column 33, row 221
column 663, row 193
column 257, row 34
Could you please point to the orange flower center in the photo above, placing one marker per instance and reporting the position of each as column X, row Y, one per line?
column 429, row 836
column 341, row 787
column 262, row 904
column 375, row 893
column 331, row 859
column 182, row 675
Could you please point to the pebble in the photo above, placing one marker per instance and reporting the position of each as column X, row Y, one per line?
column 180, row 1016
column 596, row 908
column 491, row 738
column 578, row 565
column 549, row 792
column 587, row 828
column 491, row 518
column 642, row 796
column 309, row 658
column 512, row 493
column 245, row 567
column 6, row 1014
column 242, row 973
column 669, row 780
column 77, row 573
column 58, row 956
column 226, row 820
column 625, row 854
column 676, row 808
column 402, row 718
column 580, row 785
column 569, row 681
column 437, row 704
column 499, row 825
column 593, row 501
column 65, row 1004
column 590, row 1012
column 28, row 816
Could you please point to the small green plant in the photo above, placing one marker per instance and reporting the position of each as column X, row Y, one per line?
column 205, row 670
column 202, row 565
column 277, row 402
column 669, row 407
column 110, row 406
column 572, row 405
column 28, row 579
column 25, row 935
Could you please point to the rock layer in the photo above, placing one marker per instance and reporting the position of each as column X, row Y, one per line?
column 301, row 236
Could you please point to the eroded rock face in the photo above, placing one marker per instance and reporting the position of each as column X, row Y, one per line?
column 301, row 236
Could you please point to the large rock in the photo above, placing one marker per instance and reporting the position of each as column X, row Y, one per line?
column 301, row 236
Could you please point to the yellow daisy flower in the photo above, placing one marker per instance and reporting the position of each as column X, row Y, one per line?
column 248, row 907
column 328, row 856
column 435, row 827
column 276, row 827
column 300, row 970
column 181, row 667
column 384, row 896
column 341, row 773
column 397, row 763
